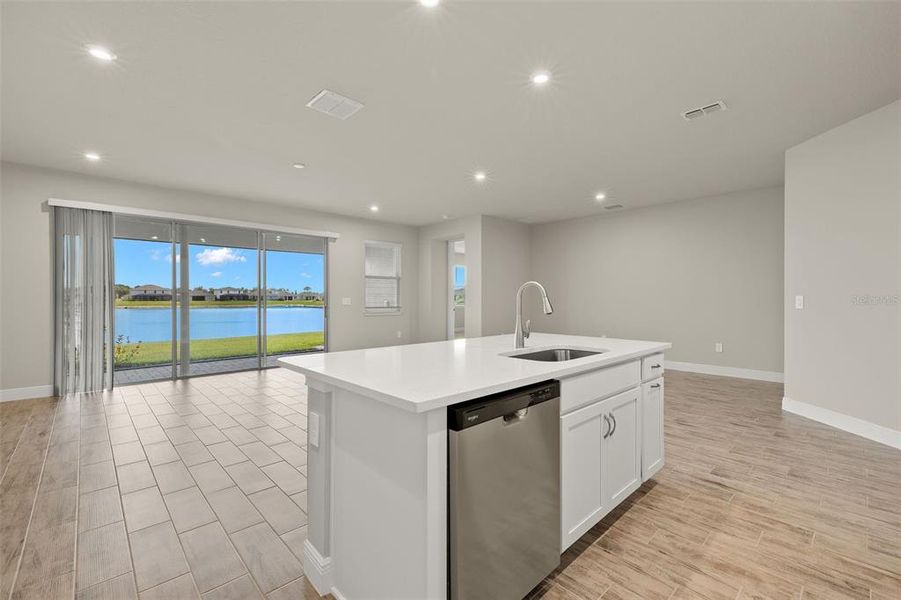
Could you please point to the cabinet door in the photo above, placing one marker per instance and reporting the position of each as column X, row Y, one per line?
column 621, row 454
column 652, row 428
column 581, row 474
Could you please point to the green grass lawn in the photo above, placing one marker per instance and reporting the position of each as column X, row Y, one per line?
column 155, row 353
column 120, row 303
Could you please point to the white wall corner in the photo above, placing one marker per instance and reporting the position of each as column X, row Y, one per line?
column 318, row 569
column 865, row 429
column 774, row 376
column 25, row 393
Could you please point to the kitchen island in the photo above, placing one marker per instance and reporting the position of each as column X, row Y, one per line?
column 377, row 448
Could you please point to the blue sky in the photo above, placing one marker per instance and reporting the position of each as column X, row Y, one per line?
column 459, row 276
column 140, row 262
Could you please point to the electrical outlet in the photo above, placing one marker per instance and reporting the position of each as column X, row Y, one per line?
column 345, row 301
column 313, row 425
column 718, row 347
column 399, row 334
column 799, row 302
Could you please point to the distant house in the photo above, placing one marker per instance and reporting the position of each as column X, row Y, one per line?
column 310, row 296
column 149, row 292
column 199, row 294
column 275, row 294
column 231, row 293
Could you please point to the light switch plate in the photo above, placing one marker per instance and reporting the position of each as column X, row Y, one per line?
column 799, row 302
column 313, row 425
column 718, row 347
column 345, row 301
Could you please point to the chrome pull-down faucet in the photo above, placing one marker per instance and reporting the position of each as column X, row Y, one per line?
column 521, row 332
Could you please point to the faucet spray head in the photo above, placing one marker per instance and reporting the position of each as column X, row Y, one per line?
column 548, row 309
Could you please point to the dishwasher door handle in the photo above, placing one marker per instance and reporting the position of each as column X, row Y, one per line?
column 517, row 415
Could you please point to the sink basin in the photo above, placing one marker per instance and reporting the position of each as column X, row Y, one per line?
column 556, row 354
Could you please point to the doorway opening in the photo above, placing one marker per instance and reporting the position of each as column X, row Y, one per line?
column 456, row 297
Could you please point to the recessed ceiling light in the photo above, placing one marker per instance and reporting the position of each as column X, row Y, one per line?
column 445, row 217
column 101, row 53
column 600, row 196
column 203, row 240
column 480, row 176
column 374, row 208
column 430, row 3
column 541, row 77
column 92, row 156
column 299, row 166
column 154, row 237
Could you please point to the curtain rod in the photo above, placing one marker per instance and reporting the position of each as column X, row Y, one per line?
column 174, row 216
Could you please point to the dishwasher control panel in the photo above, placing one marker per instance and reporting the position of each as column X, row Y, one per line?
column 467, row 414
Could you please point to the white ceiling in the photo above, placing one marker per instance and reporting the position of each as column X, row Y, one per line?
column 210, row 97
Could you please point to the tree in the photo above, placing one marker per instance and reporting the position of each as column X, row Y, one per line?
column 121, row 290
column 307, row 288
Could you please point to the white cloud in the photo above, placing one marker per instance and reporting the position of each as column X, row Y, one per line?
column 305, row 275
column 219, row 256
column 216, row 274
column 158, row 255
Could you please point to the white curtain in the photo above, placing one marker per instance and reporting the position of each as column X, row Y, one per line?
column 83, row 300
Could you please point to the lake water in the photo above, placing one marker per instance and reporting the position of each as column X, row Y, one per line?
column 155, row 324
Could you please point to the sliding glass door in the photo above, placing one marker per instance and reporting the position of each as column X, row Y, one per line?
column 197, row 299
column 144, row 323
column 293, row 315
column 219, row 300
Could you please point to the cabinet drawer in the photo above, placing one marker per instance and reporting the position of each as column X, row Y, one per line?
column 580, row 390
column 652, row 366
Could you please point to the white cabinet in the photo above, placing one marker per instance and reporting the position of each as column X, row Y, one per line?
column 622, row 447
column 652, row 367
column 581, row 471
column 600, row 461
column 652, row 428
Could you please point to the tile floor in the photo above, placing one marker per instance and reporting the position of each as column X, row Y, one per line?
column 188, row 489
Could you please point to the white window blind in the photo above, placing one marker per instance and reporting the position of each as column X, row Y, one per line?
column 382, row 278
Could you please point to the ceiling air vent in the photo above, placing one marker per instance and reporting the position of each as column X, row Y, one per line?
column 613, row 207
column 334, row 104
column 695, row 113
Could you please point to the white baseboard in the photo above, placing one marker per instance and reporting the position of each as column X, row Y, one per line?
column 864, row 429
column 24, row 393
column 318, row 569
column 774, row 376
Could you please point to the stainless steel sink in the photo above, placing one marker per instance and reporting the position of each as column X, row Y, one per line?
column 556, row 354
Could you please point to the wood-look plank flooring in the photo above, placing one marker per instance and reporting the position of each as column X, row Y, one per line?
column 752, row 503
column 197, row 489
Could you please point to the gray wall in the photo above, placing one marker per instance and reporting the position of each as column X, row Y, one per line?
column 843, row 241
column 506, row 264
column 692, row 273
column 25, row 280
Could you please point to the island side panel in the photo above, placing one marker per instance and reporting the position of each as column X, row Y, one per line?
column 317, row 547
column 388, row 500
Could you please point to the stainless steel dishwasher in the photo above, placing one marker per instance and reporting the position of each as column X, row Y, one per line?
column 504, row 492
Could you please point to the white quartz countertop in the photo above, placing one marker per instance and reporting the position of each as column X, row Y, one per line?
column 423, row 377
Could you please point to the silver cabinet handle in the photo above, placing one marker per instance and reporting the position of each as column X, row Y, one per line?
column 614, row 424
column 609, row 426
column 655, row 385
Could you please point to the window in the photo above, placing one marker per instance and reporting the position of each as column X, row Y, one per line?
column 381, row 271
